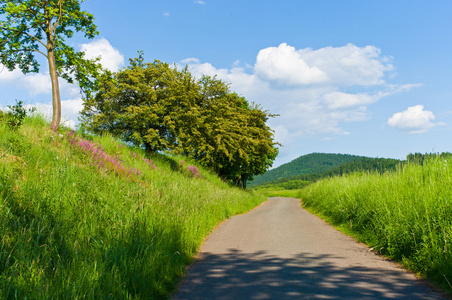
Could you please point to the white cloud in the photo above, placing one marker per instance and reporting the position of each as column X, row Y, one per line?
column 6, row 75
column 315, row 92
column 190, row 60
column 350, row 65
column 40, row 84
column 70, row 111
column 110, row 57
column 414, row 120
column 34, row 83
column 346, row 66
column 285, row 66
column 37, row 84
column 199, row 2
column 166, row 14
column 337, row 100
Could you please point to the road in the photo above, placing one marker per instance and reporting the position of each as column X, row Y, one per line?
column 280, row 251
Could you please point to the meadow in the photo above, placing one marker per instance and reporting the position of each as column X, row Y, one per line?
column 404, row 214
column 89, row 217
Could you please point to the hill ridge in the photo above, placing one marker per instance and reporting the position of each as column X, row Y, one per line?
column 311, row 163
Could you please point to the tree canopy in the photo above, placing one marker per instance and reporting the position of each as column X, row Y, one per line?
column 158, row 107
column 41, row 26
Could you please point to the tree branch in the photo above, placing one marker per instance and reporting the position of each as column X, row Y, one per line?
column 23, row 32
column 4, row 42
column 30, row 49
column 36, row 39
column 55, row 25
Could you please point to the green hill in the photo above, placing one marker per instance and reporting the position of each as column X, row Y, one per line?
column 312, row 167
column 313, row 163
column 87, row 217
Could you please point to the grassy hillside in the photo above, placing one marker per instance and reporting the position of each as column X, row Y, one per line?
column 91, row 218
column 323, row 166
column 307, row 164
column 406, row 214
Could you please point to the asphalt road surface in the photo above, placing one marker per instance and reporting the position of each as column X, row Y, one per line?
column 280, row 251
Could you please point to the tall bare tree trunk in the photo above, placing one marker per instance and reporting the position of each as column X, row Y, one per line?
column 56, row 118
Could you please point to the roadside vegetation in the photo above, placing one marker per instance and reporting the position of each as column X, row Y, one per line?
column 83, row 216
column 405, row 214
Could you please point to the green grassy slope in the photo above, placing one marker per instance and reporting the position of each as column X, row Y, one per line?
column 82, row 221
column 405, row 214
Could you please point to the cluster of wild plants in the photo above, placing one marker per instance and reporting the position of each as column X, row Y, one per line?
column 192, row 171
column 102, row 160
column 16, row 114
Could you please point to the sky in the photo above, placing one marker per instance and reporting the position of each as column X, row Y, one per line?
column 359, row 77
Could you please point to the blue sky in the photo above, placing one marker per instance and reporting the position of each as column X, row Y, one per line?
column 360, row 77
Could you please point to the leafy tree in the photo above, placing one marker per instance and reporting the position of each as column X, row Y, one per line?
column 41, row 26
column 229, row 135
column 160, row 108
column 144, row 104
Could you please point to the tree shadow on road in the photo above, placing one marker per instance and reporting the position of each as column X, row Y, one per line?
column 238, row 275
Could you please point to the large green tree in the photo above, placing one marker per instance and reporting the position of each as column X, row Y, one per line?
column 160, row 108
column 230, row 135
column 41, row 26
column 145, row 104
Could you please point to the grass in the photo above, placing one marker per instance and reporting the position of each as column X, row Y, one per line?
column 270, row 192
column 88, row 217
column 406, row 215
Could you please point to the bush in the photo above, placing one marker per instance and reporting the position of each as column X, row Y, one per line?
column 16, row 115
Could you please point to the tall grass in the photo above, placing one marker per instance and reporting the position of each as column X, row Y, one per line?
column 90, row 218
column 406, row 214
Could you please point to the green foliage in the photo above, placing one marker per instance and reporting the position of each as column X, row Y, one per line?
column 315, row 166
column 71, row 229
column 159, row 108
column 287, row 185
column 406, row 214
column 307, row 164
column 419, row 158
column 31, row 27
column 16, row 114
column 272, row 192
column 380, row 165
column 143, row 104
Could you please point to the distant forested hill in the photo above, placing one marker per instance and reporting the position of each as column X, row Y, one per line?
column 315, row 166
column 307, row 164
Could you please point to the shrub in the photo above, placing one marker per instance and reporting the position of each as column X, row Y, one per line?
column 16, row 115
